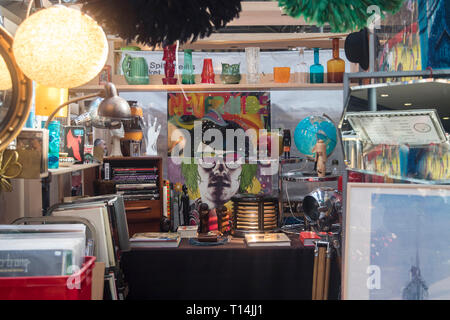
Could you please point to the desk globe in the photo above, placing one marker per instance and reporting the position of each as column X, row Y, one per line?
column 311, row 129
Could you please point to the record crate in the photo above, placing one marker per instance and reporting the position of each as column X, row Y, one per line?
column 77, row 286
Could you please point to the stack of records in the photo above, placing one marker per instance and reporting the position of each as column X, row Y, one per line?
column 137, row 183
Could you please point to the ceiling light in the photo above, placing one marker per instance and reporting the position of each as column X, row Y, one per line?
column 446, row 118
column 384, row 95
column 407, row 104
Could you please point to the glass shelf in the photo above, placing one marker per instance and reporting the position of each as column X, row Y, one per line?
column 308, row 177
column 401, row 179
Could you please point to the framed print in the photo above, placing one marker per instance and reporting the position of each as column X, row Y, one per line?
column 105, row 75
column 397, row 242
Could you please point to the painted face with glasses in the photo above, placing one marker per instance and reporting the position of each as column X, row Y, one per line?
column 219, row 177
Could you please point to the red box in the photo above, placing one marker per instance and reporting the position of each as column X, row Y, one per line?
column 77, row 286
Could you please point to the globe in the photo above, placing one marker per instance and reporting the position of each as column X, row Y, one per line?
column 310, row 130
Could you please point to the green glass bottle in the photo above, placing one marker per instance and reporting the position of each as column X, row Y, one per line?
column 188, row 76
column 316, row 70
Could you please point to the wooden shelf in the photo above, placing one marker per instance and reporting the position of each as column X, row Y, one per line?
column 72, row 168
column 217, row 87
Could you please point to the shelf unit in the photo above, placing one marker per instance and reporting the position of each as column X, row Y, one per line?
column 142, row 215
column 215, row 87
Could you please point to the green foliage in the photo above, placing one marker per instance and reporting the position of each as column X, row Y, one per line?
column 190, row 174
column 341, row 15
column 247, row 175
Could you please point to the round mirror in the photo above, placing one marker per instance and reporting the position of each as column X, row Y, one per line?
column 15, row 93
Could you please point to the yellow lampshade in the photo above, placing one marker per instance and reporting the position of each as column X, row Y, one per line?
column 60, row 47
column 5, row 76
column 48, row 99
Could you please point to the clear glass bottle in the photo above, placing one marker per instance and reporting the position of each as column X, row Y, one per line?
column 301, row 68
column 316, row 70
column 335, row 66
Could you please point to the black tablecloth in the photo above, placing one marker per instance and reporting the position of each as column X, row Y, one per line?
column 227, row 272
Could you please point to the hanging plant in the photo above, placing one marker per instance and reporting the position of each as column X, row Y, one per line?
column 161, row 22
column 341, row 15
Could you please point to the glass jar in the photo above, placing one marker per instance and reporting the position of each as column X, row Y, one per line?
column 316, row 70
column 335, row 66
column 301, row 68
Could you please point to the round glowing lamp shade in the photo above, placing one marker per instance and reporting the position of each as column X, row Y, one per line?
column 60, row 47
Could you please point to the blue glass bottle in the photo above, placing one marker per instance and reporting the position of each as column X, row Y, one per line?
column 316, row 70
column 54, row 128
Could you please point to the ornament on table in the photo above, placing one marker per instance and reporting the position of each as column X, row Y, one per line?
column 316, row 70
column 169, row 65
column 208, row 71
column 151, row 136
column 320, row 150
column 287, row 143
column 116, row 135
column 188, row 76
column 204, row 218
column 335, row 66
column 230, row 73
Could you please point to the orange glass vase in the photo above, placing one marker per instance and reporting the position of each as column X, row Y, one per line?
column 335, row 66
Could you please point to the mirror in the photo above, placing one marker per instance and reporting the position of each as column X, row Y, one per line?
column 406, row 138
column 15, row 93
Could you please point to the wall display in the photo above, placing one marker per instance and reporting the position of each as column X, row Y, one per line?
column 190, row 122
column 434, row 26
column 253, row 62
column 396, row 244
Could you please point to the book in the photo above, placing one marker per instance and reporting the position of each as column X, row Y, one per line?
column 74, row 142
column 135, row 186
column 309, row 238
column 155, row 239
column 267, row 239
column 187, row 231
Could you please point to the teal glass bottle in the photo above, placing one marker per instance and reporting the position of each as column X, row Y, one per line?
column 188, row 76
column 316, row 70
column 53, row 146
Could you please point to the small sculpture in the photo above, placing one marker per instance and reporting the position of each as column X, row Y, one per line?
column 223, row 219
column 204, row 218
column 117, row 134
column 320, row 150
column 184, row 205
column 287, row 143
column 152, row 136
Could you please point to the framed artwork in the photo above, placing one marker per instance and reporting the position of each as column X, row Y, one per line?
column 105, row 75
column 396, row 242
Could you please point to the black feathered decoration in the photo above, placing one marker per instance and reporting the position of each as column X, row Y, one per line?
column 161, row 22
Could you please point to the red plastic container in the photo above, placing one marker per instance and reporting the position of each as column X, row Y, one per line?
column 77, row 286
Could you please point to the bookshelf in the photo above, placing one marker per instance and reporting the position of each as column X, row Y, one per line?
column 139, row 180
